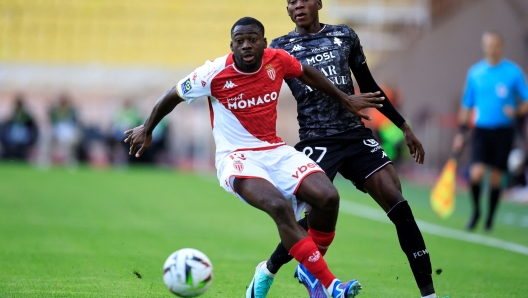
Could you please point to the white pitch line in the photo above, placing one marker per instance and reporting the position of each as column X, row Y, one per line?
column 426, row 227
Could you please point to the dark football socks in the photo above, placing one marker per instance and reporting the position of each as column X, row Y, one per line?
column 475, row 195
column 494, row 202
column 281, row 255
column 413, row 245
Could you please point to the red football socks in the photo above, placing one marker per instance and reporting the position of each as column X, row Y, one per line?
column 306, row 253
column 321, row 239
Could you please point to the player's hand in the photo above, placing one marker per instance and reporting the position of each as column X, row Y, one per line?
column 138, row 137
column 415, row 146
column 357, row 102
column 458, row 143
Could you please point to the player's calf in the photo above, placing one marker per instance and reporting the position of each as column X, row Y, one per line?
column 413, row 245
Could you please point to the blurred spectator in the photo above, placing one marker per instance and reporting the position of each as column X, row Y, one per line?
column 127, row 116
column 493, row 87
column 66, row 132
column 518, row 164
column 19, row 133
column 159, row 142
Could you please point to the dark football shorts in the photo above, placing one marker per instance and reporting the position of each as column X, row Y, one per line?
column 492, row 146
column 354, row 153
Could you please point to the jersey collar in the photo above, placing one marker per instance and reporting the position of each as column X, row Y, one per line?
column 322, row 28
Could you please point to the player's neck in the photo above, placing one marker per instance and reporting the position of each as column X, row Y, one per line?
column 493, row 61
column 310, row 29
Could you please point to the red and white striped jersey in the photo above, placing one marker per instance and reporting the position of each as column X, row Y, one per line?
column 243, row 106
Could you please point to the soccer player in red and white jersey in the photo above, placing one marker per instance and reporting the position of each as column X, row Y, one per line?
column 252, row 162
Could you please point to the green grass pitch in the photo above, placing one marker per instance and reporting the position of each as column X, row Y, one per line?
column 85, row 233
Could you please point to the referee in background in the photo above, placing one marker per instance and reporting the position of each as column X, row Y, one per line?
column 496, row 90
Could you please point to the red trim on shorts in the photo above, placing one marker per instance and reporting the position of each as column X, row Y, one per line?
column 377, row 169
column 302, row 179
column 260, row 148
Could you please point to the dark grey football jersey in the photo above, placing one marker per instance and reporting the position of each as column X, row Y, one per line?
column 330, row 51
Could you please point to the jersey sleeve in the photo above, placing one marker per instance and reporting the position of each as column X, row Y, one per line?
column 292, row 66
column 468, row 98
column 273, row 44
column 356, row 56
column 520, row 86
column 197, row 83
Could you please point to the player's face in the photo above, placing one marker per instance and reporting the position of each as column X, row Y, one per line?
column 492, row 47
column 248, row 44
column 304, row 12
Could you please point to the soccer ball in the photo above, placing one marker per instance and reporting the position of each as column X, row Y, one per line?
column 188, row 272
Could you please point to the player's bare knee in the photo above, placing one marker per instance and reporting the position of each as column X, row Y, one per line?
column 279, row 210
column 328, row 200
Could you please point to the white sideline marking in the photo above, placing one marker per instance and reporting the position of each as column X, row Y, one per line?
column 426, row 227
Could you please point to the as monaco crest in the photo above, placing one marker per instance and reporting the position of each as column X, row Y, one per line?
column 239, row 166
column 271, row 71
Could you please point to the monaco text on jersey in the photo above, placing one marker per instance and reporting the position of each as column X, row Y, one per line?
column 238, row 101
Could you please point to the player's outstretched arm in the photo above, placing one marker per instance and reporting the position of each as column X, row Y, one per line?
column 354, row 103
column 142, row 135
column 367, row 83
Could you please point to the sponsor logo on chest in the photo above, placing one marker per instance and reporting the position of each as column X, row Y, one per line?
column 238, row 102
column 320, row 58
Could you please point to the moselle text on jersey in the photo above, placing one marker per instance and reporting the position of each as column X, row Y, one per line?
column 328, row 50
column 243, row 106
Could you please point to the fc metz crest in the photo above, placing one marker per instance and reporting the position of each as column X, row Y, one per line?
column 204, row 83
column 271, row 71
column 239, row 166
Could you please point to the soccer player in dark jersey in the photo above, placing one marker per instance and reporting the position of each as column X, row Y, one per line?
column 252, row 162
column 339, row 142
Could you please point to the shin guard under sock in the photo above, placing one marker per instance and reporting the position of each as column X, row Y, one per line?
column 321, row 239
column 305, row 252
column 413, row 245
column 281, row 255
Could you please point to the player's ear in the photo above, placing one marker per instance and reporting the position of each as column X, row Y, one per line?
column 231, row 46
column 319, row 4
column 265, row 42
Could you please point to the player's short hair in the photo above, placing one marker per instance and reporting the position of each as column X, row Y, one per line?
column 494, row 33
column 248, row 21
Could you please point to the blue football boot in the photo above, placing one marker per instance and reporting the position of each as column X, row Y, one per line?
column 346, row 290
column 312, row 284
column 261, row 283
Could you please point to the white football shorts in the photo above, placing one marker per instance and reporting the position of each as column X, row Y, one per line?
column 284, row 167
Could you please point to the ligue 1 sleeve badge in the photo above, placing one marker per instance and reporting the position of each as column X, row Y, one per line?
column 271, row 71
